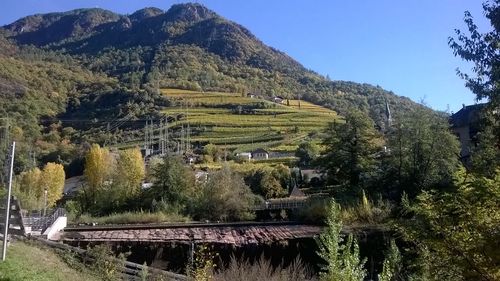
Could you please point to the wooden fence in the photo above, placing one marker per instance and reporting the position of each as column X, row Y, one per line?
column 131, row 271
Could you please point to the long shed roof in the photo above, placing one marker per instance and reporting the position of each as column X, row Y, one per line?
column 235, row 235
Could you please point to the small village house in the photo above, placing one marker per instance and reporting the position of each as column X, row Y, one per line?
column 260, row 154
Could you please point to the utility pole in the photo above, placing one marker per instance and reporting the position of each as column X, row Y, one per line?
column 146, row 137
column 7, row 205
column 188, row 129
column 182, row 139
column 166, row 135
column 161, row 140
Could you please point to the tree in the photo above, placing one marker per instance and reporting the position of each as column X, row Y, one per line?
column 422, row 151
column 173, row 182
column 460, row 228
column 52, row 180
column 351, row 149
column 130, row 172
column 98, row 166
column 485, row 156
column 342, row 259
column 30, row 186
column 270, row 187
column 483, row 51
column 211, row 152
column 29, row 190
column 306, row 152
column 97, row 172
column 225, row 196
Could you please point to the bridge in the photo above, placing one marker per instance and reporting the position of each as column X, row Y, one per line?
column 237, row 234
column 288, row 203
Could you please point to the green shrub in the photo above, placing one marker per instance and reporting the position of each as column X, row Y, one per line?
column 104, row 263
column 341, row 257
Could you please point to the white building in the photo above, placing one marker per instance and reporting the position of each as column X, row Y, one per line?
column 244, row 156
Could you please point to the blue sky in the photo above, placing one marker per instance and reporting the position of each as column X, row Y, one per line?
column 399, row 45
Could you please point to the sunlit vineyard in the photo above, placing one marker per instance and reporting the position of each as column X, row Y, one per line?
column 242, row 123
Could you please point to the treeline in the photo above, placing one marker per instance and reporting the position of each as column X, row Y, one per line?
column 113, row 184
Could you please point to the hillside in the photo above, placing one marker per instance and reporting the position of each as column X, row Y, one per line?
column 241, row 123
column 31, row 261
column 91, row 75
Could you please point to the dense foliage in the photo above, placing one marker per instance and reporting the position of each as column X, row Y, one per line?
column 458, row 228
column 341, row 255
column 351, row 150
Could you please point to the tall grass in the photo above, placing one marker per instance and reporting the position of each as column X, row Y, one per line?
column 244, row 270
column 132, row 218
column 365, row 211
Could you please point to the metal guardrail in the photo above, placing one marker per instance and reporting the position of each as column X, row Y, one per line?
column 42, row 223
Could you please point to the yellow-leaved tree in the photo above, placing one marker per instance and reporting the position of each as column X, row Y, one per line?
column 28, row 189
column 97, row 172
column 98, row 167
column 130, row 172
column 52, row 180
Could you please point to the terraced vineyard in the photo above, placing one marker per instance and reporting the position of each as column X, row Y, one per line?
column 242, row 123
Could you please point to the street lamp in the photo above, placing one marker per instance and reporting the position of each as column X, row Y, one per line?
column 44, row 201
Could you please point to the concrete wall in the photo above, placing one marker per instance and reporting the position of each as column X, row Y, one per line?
column 54, row 231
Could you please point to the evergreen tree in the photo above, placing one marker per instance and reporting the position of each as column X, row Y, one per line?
column 422, row 152
column 351, row 149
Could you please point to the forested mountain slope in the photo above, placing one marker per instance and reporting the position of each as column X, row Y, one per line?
column 191, row 47
column 68, row 77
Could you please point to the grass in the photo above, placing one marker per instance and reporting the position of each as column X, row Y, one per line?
column 28, row 261
column 132, row 218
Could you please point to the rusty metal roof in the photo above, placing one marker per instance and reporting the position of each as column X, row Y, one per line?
column 235, row 235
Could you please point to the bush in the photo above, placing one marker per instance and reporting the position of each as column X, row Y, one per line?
column 105, row 264
column 341, row 257
column 365, row 211
column 315, row 211
column 225, row 197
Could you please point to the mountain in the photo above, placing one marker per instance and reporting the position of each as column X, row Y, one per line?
column 99, row 65
column 188, row 46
